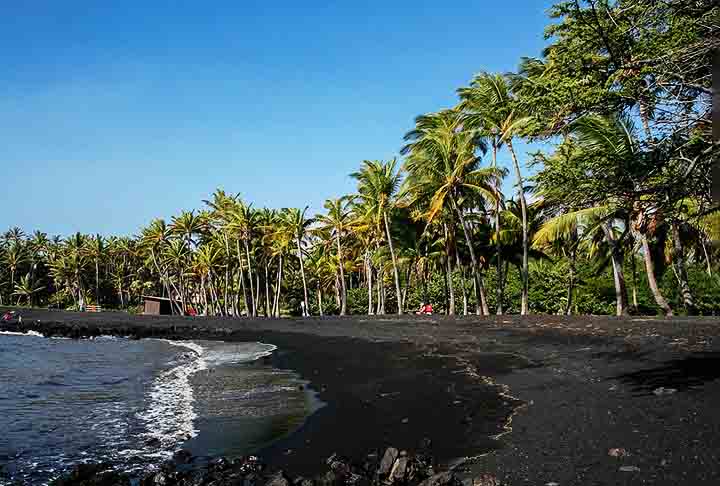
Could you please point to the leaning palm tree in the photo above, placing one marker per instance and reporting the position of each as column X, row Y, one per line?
column 378, row 183
column 443, row 163
column 490, row 106
column 336, row 223
column 613, row 138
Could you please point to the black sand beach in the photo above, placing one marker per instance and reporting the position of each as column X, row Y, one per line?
column 536, row 400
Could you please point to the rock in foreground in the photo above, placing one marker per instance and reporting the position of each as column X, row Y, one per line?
column 395, row 469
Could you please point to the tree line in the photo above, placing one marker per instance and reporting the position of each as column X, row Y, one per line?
column 617, row 218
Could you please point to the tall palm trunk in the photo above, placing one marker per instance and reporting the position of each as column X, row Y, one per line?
column 203, row 295
column 652, row 281
column 165, row 280
column 319, row 299
column 256, row 298
column 571, row 283
column 618, row 275
column 341, row 264
column 337, row 290
column 707, row 257
column 499, row 288
column 369, row 282
column 395, row 267
column 97, row 282
column 459, row 265
column 523, row 210
column 681, row 270
column 306, row 310
column 253, row 297
column 226, row 292
column 482, row 307
column 267, row 289
column 448, row 273
column 242, row 279
column 279, row 286
column 634, row 283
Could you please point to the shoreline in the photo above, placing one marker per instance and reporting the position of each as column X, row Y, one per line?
column 550, row 377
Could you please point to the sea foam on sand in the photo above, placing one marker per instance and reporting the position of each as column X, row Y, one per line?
column 170, row 416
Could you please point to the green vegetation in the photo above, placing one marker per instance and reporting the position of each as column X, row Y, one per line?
column 617, row 218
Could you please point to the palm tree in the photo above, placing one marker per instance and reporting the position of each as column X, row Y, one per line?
column 155, row 238
column 297, row 225
column 26, row 288
column 613, row 138
column 242, row 220
column 443, row 164
column 563, row 234
column 14, row 235
column 76, row 264
column 187, row 225
column 336, row 223
column 206, row 261
column 95, row 249
column 378, row 183
column 15, row 256
column 491, row 107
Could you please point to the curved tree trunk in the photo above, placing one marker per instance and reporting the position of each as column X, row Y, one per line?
column 652, row 281
column 681, row 270
column 523, row 210
column 499, row 288
column 395, row 267
column 707, row 258
column 477, row 279
column 306, row 310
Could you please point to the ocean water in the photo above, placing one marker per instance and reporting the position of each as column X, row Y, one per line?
column 135, row 403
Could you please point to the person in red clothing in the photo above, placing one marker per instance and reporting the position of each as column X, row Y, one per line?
column 425, row 309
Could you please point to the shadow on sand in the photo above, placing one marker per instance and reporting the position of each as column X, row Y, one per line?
column 681, row 374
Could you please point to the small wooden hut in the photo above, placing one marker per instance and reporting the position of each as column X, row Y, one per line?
column 155, row 306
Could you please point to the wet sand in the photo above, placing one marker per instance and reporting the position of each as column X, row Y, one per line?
column 532, row 400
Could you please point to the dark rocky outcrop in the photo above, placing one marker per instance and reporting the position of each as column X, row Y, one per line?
column 395, row 469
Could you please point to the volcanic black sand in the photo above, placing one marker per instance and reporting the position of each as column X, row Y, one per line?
column 535, row 400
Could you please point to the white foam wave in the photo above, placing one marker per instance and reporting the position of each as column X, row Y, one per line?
column 29, row 333
column 227, row 353
column 170, row 416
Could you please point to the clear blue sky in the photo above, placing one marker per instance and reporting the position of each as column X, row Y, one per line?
column 113, row 113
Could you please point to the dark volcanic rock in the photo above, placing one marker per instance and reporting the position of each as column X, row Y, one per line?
column 278, row 479
column 442, row 479
column 387, row 461
column 93, row 475
column 182, row 457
